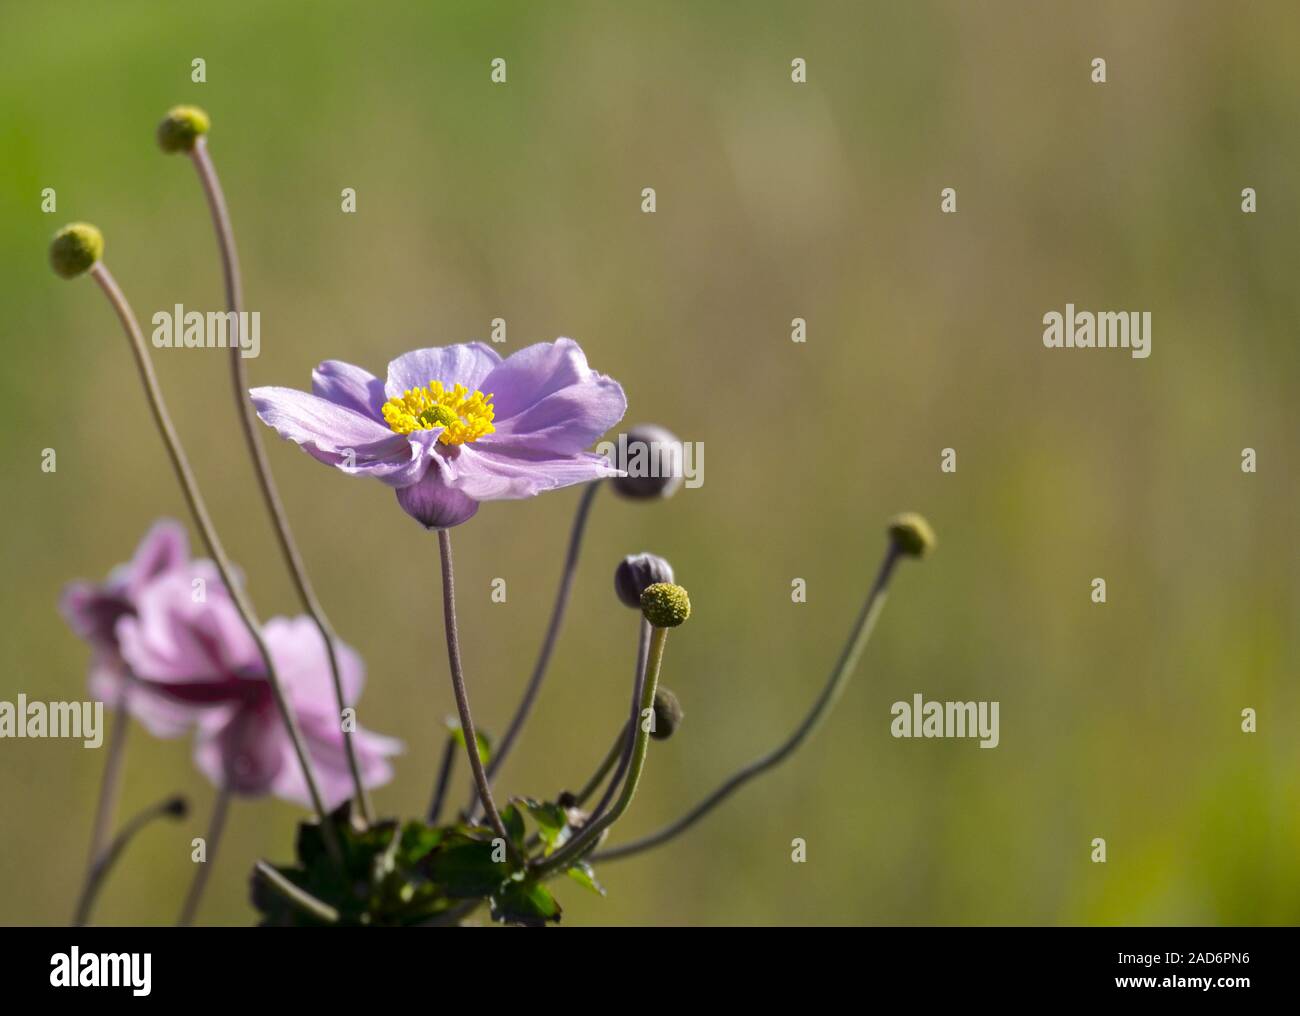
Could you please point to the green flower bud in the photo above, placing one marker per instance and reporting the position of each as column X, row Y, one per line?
column 665, row 605
column 668, row 714
column 181, row 128
column 75, row 248
column 911, row 534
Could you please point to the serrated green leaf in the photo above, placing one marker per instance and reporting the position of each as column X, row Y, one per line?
column 583, row 874
column 550, row 819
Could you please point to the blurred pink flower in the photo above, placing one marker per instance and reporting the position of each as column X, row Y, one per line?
column 200, row 656
column 92, row 611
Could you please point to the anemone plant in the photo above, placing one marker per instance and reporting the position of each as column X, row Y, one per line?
column 271, row 706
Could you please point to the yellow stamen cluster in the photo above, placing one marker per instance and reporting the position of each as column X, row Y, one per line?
column 464, row 415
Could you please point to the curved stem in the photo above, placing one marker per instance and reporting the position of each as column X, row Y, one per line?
column 216, row 826
column 629, row 743
column 257, row 452
column 616, row 751
column 110, row 784
column 572, row 851
column 462, row 697
column 299, row 898
column 839, row 676
column 444, row 779
column 170, row 807
column 552, row 634
column 199, row 509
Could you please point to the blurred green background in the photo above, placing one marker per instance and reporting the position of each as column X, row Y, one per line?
column 775, row 201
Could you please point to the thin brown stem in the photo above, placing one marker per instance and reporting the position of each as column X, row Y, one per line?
column 462, row 696
column 170, row 807
column 110, row 783
column 552, row 634
column 216, row 826
column 257, row 452
column 444, row 780
column 199, row 510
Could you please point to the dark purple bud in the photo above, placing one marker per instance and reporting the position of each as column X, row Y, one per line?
column 668, row 714
column 636, row 573
column 653, row 459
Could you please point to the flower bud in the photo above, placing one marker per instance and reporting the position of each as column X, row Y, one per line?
column 181, row 128
column 665, row 605
column 435, row 506
column 176, row 807
column 635, row 573
column 911, row 534
column 75, row 248
column 668, row 714
column 652, row 458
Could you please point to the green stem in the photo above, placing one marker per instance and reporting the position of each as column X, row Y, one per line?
column 295, row 896
column 616, row 752
column 199, row 509
column 843, row 670
column 629, row 740
column 573, row 851
column 257, row 452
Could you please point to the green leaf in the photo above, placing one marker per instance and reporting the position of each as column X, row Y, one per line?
column 514, row 823
column 550, row 818
column 583, row 874
column 465, row 870
column 484, row 742
column 527, row 903
column 418, row 840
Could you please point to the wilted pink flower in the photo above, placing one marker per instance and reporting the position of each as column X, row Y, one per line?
column 200, row 655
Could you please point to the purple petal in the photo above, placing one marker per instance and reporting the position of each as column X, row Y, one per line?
column 329, row 757
column 164, row 548
column 565, row 421
column 247, row 753
column 350, row 387
column 175, row 639
column 466, row 364
column 339, row 436
column 92, row 612
column 302, row 663
column 162, row 718
column 493, row 473
column 534, row 372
